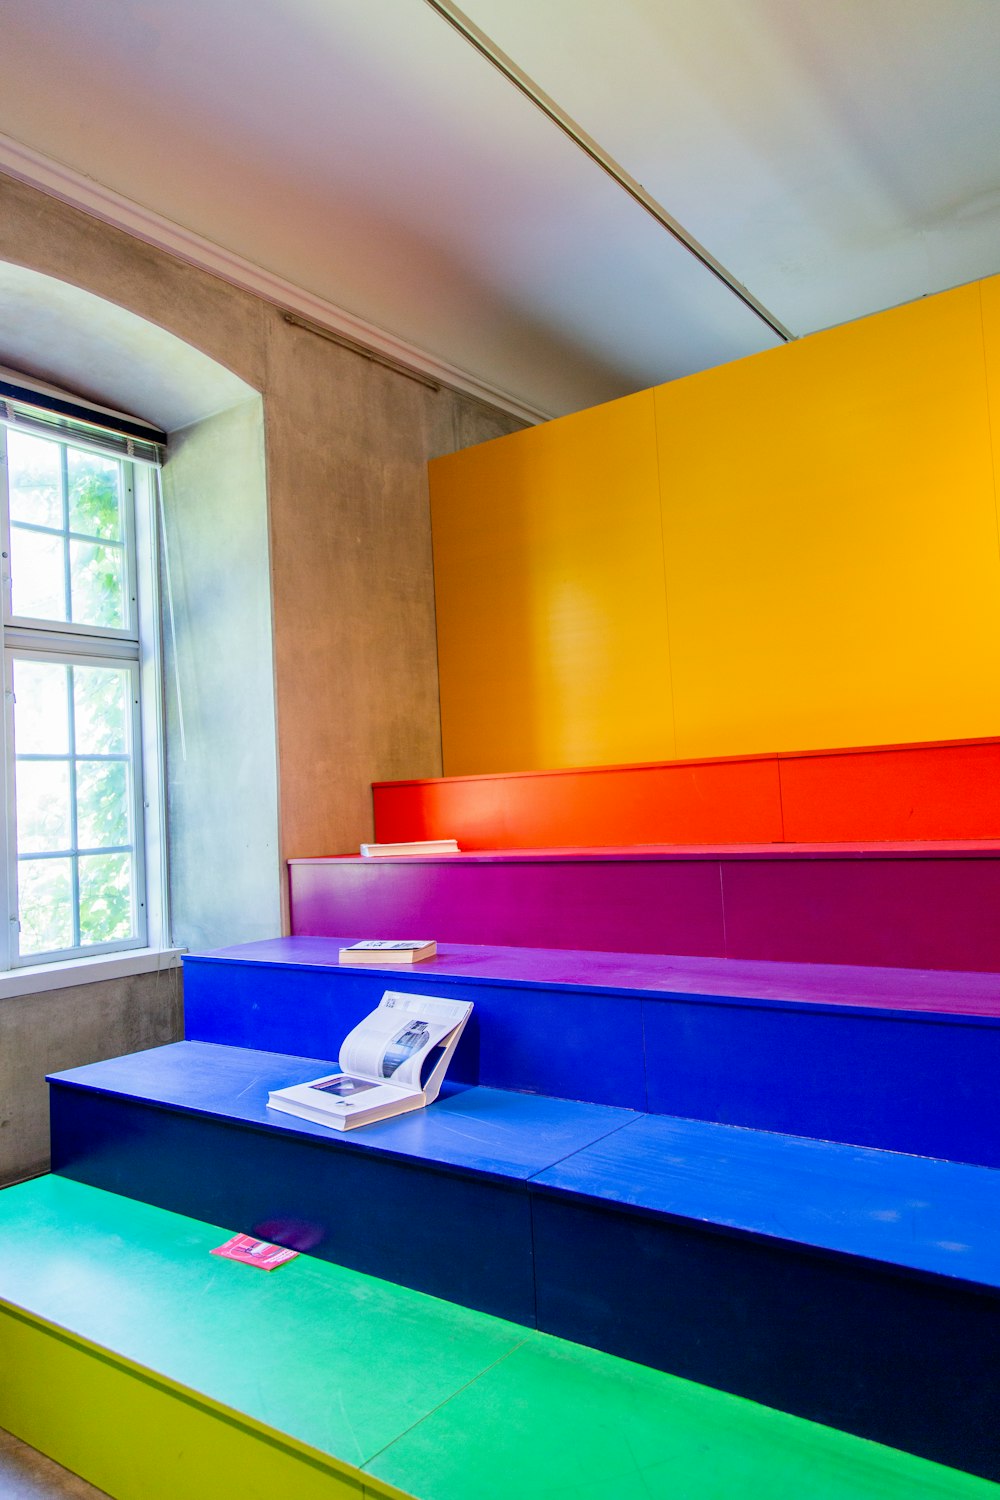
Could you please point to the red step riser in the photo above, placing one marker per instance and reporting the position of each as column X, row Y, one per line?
column 948, row 791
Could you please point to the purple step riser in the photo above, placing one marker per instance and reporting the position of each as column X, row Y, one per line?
column 906, row 912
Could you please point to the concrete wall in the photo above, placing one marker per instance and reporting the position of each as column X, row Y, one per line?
column 44, row 1033
column 355, row 640
column 222, row 808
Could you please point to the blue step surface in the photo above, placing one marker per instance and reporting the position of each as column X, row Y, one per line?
column 186, row 1127
column 489, row 1132
column 922, row 1214
column 925, row 1215
column 895, row 1059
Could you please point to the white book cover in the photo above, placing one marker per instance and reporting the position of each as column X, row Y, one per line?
column 419, row 846
column 393, row 1061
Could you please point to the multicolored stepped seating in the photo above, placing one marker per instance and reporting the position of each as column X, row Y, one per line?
column 887, row 856
column 679, row 1223
column 160, row 1371
column 583, row 1176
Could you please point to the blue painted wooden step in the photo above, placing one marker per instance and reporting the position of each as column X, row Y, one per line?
column 187, row 1127
column 904, row 1060
column 833, row 1281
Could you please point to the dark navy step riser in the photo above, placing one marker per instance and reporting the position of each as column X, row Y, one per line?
column 921, row 1085
column 462, row 1238
column 909, row 1361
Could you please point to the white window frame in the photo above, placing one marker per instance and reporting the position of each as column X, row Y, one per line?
column 138, row 647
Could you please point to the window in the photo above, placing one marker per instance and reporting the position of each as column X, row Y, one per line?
column 82, row 703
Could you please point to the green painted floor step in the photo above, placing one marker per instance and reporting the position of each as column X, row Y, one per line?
column 133, row 1356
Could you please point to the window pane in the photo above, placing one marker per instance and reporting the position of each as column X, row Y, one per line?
column 105, row 898
column 97, row 582
column 43, row 817
column 93, row 494
column 45, row 904
column 101, row 700
column 35, row 477
column 74, row 746
column 41, row 708
column 102, row 804
column 38, row 574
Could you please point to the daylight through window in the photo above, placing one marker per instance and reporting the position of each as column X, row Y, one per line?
column 73, row 728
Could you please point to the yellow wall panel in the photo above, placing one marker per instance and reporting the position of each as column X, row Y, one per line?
column 830, row 538
column 990, row 300
column 551, row 610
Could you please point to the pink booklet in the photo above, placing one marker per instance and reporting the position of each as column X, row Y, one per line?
column 254, row 1252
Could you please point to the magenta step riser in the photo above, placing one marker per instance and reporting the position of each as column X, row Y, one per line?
column 919, row 912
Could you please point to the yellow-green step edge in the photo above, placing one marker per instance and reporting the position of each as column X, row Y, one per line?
column 155, row 1370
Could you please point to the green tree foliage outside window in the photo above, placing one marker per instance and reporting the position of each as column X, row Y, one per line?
column 75, row 763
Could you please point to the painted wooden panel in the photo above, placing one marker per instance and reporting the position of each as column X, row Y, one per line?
column 735, row 801
column 838, row 1340
column 139, row 1438
column 989, row 293
column 551, row 608
column 933, row 913
column 830, row 536
column 631, row 905
column 902, row 792
column 890, row 793
column 935, row 1217
column 285, row 1372
column 494, row 1133
column 468, row 1408
column 923, row 906
column 408, row 810
column 276, row 1006
column 596, row 1427
column 874, row 1076
column 343, row 1206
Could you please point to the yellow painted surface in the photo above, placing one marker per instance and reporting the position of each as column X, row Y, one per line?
column 138, row 1438
column 831, row 545
column 990, row 298
column 830, row 536
column 551, row 610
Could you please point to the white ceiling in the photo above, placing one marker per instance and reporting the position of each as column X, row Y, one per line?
column 837, row 156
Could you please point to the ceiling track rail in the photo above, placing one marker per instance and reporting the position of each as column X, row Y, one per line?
column 586, row 143
column 372, row 355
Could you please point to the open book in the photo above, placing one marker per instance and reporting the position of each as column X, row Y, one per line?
column 394, row 1061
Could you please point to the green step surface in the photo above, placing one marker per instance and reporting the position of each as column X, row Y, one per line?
column 133, row 1355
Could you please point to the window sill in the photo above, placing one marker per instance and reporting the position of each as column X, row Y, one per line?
column 34, row 979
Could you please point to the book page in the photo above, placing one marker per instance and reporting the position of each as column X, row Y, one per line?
column 344, row 1092
column 392, row 1043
